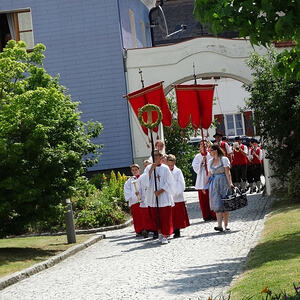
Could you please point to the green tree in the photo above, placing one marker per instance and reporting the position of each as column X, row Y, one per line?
column 176, row 144
column 262, row 21
column 276, row 103
column 44, row 146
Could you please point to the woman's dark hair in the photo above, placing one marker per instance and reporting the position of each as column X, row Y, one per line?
column 217, row 147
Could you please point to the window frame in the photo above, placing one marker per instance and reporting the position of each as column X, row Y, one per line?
column 18, row 32
column 234, row 123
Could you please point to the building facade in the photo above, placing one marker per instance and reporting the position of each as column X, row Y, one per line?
column 85, row 41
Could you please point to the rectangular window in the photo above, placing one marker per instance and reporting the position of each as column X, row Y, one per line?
column 234, row 124
column 230, row 125
column 133, row 30
column 239, row 124
column 16, row 25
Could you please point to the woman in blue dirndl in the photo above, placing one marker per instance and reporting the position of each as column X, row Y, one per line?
column 219, row 184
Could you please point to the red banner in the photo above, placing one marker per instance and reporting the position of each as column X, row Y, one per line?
column 194, row 102
column 153, row 94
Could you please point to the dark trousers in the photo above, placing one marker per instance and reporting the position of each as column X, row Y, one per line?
column 239, row 173
column 254, row 173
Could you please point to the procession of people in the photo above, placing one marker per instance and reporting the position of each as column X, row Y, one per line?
column 156, row 197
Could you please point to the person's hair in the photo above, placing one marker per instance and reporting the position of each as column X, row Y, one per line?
column 146, row 161
column 224, row 138
column 218, row 148
column 158, row 142
column 171, row 157
column 134, row 166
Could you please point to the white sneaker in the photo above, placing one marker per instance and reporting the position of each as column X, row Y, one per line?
column 164, row 241
column 160, row 237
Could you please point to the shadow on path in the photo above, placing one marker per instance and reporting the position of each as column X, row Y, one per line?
column 147, row 245
column 199, row 278
column 213, row 233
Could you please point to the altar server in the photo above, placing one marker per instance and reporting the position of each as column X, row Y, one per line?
column 199, row 168
column 180, row 215
column 135, row 195
column 163, row 190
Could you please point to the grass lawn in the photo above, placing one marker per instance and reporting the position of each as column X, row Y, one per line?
column 275, row 261
column 17, row 254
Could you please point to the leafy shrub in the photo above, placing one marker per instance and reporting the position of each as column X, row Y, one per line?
column 98, row 180
column 99, row 211
column 93, row 207
column 276, row 103
column 113, row 189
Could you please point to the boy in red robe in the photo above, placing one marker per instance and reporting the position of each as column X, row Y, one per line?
column 180, row 215
column 135, row 196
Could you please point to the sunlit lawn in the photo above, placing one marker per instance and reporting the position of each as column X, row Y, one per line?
column 275, row 261
column 19, row 253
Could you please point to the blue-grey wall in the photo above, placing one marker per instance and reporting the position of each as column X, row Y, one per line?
column 83, row 40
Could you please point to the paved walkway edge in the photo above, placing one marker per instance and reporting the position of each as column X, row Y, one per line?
column 79, row 231
column 18, row 276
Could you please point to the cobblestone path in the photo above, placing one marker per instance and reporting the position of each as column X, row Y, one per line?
column 195, row 266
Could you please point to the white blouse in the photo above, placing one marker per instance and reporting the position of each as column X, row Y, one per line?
column 225, row 161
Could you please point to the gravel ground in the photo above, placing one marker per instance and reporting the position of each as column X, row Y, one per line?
column 201, row 263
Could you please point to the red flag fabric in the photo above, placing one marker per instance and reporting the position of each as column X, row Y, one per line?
column 153, row 94
column 195, row 102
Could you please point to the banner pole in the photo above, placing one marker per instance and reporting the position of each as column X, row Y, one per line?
column 155, row 182
column 205, row 151
column 149, row 117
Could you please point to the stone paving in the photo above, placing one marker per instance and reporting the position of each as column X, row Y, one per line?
column 201, row 263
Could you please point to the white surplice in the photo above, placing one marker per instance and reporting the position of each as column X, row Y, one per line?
column 164, row 180
column 179, row 185
column 199, row 168
column 129, row 191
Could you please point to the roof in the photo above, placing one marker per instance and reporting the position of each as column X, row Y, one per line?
column 178, row 12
